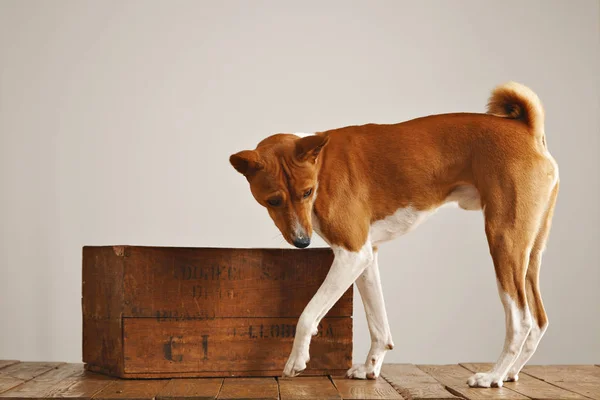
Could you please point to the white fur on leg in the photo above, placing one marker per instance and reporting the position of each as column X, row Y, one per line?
column 346, row 267
column 369, row 286
column 518, row 326
column 531, row 344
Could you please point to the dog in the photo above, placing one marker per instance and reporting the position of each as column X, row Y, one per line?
column 360, row 186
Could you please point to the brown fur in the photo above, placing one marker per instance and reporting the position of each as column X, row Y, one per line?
column 367, row 172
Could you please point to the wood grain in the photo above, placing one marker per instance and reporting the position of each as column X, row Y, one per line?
column 314, row 388
column 216, row 282
column 528, row 385
column 44, row 385
column 249, row 388
column 8, row 382
column 200, row 288
column 102, row 307
column 132, row 390
column 454, row 377
column 414, row 383
column 230, row 346
column 353, row 389
column 28, row 370
column 581, row 379
column 83, row 385
column 6, row 363
column 191, row 389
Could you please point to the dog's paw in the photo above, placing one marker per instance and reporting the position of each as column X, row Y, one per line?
column 295, row 365
column 485, row 380
column 512, row 377
column 362, row 371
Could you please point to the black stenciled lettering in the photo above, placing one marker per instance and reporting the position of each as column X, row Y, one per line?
column 169, row 347
column 289, row 330
column 205, row 346
column 275, row 331
column 216, row 272
column 329, row 330
column 185, row 273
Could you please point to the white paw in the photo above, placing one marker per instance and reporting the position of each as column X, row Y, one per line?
column 295, row 365
column 512, row 377
column 485, row 380
column 362, row 371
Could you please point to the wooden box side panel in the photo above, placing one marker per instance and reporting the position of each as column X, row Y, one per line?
column 188, row 283
column 230, row 346
column 102, row 307
column 103, row 345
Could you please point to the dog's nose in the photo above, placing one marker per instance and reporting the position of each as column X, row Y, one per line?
column 301, row 242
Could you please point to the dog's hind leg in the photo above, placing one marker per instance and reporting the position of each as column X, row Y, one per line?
column 534, row 298
column 369, row 286
column 513, row 217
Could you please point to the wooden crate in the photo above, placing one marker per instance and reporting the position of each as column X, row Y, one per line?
column 158, row 312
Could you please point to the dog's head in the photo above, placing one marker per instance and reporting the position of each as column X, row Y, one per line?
column 282, row 172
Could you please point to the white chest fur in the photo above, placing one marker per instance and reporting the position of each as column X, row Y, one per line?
column 402, row 221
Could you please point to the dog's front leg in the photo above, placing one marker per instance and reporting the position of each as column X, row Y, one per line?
column 346, row 267
column 369, row 286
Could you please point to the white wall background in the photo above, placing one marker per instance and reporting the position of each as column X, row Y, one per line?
column 117, row 120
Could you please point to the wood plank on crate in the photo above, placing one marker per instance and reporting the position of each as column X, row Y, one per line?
column 414, row 383
column 229, row 346
column 6, row 363
column 44, row 385
column 528, row 385
column 102, row 290
column 372, row 389
column 221, row 282
column 582, row 379
column 307, row 388
column 249, row 388
column 454, row 377
column 191, row 389
column 132, row 390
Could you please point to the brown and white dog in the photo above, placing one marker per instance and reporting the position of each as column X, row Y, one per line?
column 360, row 186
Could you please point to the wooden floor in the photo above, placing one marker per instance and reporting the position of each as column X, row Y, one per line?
column 43, row 380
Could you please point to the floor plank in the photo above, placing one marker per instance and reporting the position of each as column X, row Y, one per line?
column 413, row 383
column 582, row 379
column 454, row 377
column 191, row 389
column 28, row 370
column 83, row 386
column 6, row 363
column 353, row 389
column 249, row 388
column 16, row 374
column 132, row 390
column 42, row 386
column 8, row 382
column 529, row 386
column 318, row 387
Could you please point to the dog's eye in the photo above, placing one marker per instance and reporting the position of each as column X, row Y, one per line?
column 307, row 193
column 275, row 202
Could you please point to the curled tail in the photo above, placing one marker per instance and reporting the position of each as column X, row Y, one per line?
column 515, row 101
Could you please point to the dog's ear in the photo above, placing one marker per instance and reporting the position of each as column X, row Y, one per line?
column 309, row 147
column 246, row 162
